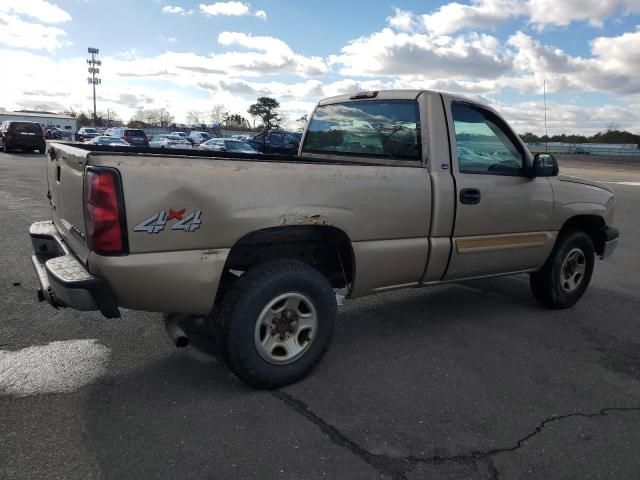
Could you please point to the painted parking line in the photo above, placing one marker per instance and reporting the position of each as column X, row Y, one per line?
column 631, row 184
column 58, row 367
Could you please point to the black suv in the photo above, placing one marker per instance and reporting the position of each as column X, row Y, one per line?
column 277, row 141
column 27, row 136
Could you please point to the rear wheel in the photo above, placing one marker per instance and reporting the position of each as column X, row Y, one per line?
column 275, row 324
column 564, row 278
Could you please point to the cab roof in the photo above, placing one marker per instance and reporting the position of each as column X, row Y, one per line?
column 393, row 95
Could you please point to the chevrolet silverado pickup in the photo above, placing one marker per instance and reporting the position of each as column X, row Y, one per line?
column 389, row 190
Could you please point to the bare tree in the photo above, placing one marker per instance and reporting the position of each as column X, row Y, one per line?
column 193, row 117
column 612, row 126
column 165, row 117
column 43, row 107
column 217, row 114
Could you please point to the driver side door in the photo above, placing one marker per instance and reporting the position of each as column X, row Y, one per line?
column 503, row 217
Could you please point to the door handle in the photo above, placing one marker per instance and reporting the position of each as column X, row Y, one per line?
column 470, row 196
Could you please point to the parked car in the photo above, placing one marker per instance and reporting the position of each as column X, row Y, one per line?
column 260, row 247
column 27, row 136
column 169, row 141
column 182, row 134
column 227, row 145
column 54, row 134
column 87, row 133
column 276, row 141
column 133, row 136
column 108, row 140
column 197, row 137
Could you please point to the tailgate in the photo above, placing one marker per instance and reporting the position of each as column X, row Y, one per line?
column 65, row 174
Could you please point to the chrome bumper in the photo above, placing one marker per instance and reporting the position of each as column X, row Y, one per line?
column 64, row 280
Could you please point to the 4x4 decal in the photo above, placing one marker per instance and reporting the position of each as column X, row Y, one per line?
column 186, row 222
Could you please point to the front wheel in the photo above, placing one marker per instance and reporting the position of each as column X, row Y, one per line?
column 276, row 322
column 564, row 278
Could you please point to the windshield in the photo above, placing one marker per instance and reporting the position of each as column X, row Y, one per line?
column 235, row 146
column 385, row 129
column 111, row 140
column 90, row 130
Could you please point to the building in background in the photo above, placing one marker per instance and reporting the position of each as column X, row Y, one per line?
column 47, row 120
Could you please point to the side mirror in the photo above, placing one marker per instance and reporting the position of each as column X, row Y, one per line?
column 544, row 165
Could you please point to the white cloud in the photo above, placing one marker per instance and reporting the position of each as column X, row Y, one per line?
column 563, row 12
column 18, row 33
column 280, row 57
column 479, row 14
column 613, row 68
column 261, row 14
column 402, row 20
column 567, row 117
column 175, row 10
column 398, row 53
column 487, row 14
column 38, row 9
column 231, row 8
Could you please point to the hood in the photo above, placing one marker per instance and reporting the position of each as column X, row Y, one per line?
column 583, row 181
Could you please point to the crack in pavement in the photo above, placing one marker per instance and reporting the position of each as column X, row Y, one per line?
column 398, row 467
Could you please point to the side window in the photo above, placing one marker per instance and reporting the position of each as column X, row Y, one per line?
column 276, row 138
column 484, row 143
column 259, row 138
column 288, row 138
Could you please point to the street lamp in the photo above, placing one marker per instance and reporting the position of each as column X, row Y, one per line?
column 93, row 79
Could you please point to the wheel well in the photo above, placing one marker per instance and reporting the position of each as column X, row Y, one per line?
column 592, row 225
column 328, row 249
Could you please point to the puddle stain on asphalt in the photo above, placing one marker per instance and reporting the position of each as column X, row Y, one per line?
column 58, row 367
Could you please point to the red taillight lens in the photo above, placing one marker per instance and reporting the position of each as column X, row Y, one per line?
column 103, row 215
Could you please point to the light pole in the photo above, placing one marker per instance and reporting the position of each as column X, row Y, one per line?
column 93, row 79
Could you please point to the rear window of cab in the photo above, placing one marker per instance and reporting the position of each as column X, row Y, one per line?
column 379, row 129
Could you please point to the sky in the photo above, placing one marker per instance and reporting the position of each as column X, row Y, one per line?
column 189, row 56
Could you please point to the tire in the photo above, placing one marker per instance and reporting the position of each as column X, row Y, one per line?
column 249, row 333
column 565, row 276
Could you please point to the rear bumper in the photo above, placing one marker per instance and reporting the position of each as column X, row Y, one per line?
column 610, row 241
column 64, row 280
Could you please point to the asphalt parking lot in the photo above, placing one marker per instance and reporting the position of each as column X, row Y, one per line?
column 467, row 380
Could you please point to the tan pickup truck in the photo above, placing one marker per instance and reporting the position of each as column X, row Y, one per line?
column 390, row 189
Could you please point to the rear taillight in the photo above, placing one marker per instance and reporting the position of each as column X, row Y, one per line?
column 103, row 212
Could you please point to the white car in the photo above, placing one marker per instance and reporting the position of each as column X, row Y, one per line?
column 169, row 141
column 199, row 137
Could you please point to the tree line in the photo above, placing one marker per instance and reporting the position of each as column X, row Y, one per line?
column 264, row 114
column 612, row 134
